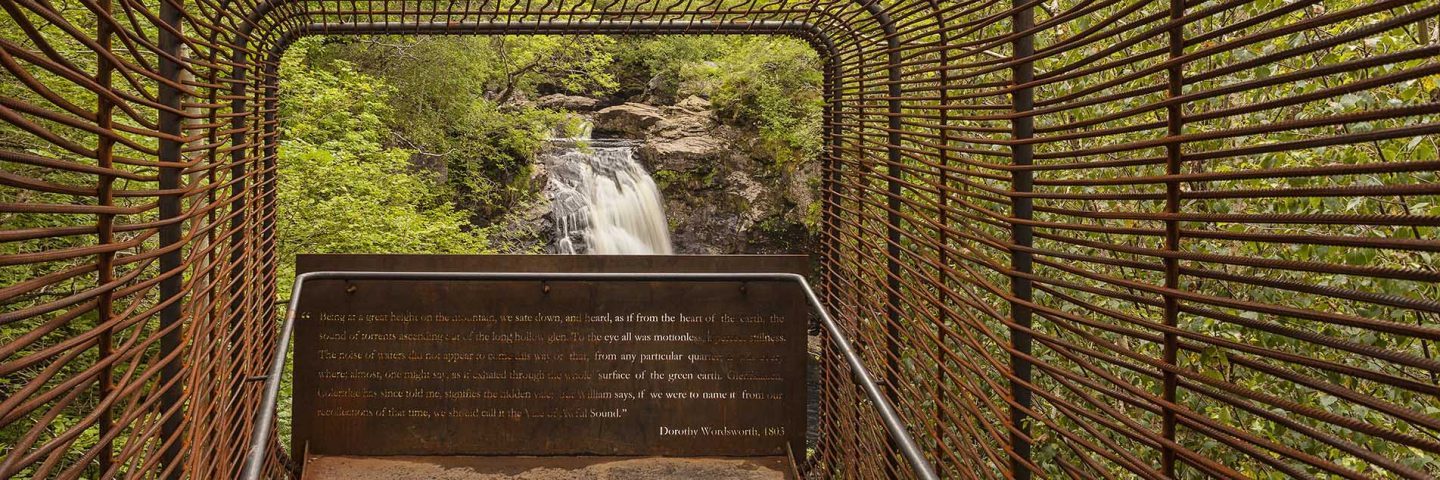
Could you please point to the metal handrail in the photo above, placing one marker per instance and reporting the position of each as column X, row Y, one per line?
column 260, row 438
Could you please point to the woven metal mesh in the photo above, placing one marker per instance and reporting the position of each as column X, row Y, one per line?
column 1075, row 238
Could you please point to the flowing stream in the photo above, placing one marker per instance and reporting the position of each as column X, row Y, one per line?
column 603, row 201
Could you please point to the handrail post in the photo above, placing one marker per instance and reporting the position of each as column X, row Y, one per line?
column 829, row 234
column 943, row 333
column 1174, row 128
column 105, row 235
column 171, row 157
column 893, row 193
column 1021, row 181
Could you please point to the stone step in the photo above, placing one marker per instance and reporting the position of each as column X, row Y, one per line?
column 329, row 467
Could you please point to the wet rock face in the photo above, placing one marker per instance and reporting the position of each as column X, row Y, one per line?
column 572, row 103
column 602, row 200
column 564, row 228
column 683, row 153
column 723, row 195
column 628, row 120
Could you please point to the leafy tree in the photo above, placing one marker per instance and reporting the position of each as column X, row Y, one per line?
column 457, row 102
column 773, row 85
column 341, row 189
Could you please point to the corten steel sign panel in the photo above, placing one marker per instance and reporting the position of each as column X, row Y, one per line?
column 550, row 368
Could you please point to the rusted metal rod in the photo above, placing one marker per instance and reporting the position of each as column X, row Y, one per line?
column 1205, row 204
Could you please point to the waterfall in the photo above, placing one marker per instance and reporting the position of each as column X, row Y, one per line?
column 602, row 201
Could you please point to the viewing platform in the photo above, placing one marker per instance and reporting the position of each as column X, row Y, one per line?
column 554, row 367
column 546, row 468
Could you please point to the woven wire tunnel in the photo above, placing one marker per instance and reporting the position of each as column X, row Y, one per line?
column 1073, row 238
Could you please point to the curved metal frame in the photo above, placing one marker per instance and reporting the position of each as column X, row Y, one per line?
column 1042, row 223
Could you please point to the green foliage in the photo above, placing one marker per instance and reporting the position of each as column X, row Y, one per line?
column 487, row 154
column 1100, row 123
column 770, row 84
column 52, row 422
column 448, row 71
column 458, row 102
column 773, row 85
column 670, row 61
column 455, row 101
column 341, row 190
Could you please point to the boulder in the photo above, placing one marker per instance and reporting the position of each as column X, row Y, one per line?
column 691, row 118
column 682, row 154
column 631, row 120
column 694, row 104
column 573, row 103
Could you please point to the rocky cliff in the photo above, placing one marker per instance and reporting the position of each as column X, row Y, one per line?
column 723, row 195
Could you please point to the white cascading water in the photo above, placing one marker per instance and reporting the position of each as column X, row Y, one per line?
column 602, row 200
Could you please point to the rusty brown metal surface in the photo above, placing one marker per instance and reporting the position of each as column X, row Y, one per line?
column 556, row 263
column 544, row 468
column 1078, row 239
column 550, row 368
